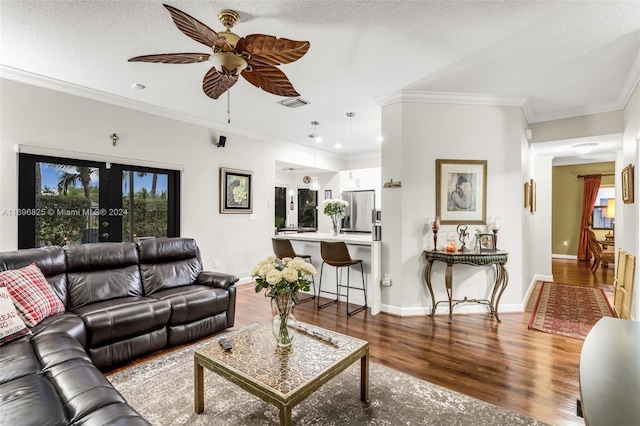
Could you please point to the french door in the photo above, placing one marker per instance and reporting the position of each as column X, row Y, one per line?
column 68, row 201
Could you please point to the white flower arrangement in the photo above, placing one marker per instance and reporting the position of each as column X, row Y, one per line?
column 334, row 207
column 283, row 276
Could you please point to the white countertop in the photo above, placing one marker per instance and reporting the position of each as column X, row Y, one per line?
column 360, row 239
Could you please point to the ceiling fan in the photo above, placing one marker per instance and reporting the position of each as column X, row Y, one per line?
column 254, row 56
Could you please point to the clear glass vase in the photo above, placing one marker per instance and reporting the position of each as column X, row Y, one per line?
column 284, row 324
column 335, row 225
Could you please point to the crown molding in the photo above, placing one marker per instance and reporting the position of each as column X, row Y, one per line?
column 447, row 98
column 38, row 80
column 631, row 82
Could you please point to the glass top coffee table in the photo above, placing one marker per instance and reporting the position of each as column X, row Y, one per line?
column 283, row 377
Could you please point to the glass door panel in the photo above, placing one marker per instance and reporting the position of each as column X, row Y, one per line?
column 67, row 201
column 145, row 205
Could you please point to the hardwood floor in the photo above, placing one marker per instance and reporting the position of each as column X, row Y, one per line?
column 506, row 364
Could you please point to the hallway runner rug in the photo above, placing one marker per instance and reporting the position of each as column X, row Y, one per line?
column 569, row 310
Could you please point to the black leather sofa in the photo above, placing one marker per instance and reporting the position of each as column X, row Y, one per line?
column 123, row 301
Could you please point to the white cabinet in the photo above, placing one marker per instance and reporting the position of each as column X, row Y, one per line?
column 362, row 179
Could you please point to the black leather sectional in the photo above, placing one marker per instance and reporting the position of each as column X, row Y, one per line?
column 123, row 301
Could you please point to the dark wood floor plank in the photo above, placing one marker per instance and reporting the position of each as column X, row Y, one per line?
column 506, row 364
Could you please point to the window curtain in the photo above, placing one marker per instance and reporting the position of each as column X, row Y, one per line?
column 591, row 187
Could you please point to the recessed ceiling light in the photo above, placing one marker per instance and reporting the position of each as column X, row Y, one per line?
column 337, row 146
column 138, row 86
column 379, row 138
column 584, row 148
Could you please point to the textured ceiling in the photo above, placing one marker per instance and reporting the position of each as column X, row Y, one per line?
column 560, row 58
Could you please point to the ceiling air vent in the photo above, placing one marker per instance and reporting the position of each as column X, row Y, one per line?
column 294, row 102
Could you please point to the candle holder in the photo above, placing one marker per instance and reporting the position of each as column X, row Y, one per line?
column 495, row 227
column 435, row 227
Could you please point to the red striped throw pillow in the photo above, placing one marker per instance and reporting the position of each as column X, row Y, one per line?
column 32, row 295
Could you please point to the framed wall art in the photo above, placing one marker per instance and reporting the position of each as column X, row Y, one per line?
column 461, row 191
column 327, row 194
column 235, row 191
column 533, row 201
column 527, row 195
column 627, row 184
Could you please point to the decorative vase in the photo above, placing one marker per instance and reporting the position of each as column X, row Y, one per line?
column 335, row 225
column 284, row 324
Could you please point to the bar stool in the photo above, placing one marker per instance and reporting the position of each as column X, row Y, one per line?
column 282, row 248
column 337, row 255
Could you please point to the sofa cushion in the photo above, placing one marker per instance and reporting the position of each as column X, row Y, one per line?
column 11, row 325
column 50, row 260
column 113, row 320
column 20, row 398
column 32, row 295
column 194, row 302
column 17, row 359
column 168, row 262
column 102, row 271
column 67, row 322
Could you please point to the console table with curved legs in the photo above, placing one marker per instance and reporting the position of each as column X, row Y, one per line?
column 496, row 259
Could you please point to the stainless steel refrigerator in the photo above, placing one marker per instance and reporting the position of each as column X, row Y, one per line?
column 358, row 217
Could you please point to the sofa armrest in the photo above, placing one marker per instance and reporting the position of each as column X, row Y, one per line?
column 216, row 279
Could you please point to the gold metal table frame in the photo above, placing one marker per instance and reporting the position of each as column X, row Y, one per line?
column 496, row 259
column 283, row 377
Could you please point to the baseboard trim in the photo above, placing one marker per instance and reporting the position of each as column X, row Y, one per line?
column 470, row 308
column 564, row 256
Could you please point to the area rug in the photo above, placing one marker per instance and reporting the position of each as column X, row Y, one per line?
column 569, row 310
column 161, row 390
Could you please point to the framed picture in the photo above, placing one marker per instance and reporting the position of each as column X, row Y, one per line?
column 461, row 191
column 327, row 194
column 235, row 191
column 527, row 195
column 627, row 184
column 532, row 201
column 487, row 243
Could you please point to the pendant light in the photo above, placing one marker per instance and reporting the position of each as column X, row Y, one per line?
column 351, row 183
column 315, row 186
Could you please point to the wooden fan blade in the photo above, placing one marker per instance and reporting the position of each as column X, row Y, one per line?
column 216, row 82
column 270, row 79
column 172, row 58
column 269, row 50
column 195, row 29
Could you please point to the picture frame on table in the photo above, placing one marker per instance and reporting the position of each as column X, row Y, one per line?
column 461, row 191
column 236, row 191
column 487, row 243
column 627, row 184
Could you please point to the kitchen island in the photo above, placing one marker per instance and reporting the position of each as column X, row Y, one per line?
column 360, row 246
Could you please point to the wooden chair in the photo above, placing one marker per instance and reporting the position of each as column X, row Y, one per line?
column 623, row 284
column 282, row 248
column 600, row 256
column 337, row 255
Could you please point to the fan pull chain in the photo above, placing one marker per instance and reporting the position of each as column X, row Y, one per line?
column 229, row 106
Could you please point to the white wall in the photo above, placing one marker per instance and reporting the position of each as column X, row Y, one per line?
column 75, row 126
column 416, row 134
column 627, row 216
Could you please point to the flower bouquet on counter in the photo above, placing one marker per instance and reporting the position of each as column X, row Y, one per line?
column 335, row 209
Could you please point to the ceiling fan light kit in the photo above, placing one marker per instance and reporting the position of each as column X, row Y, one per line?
column 254, row 57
